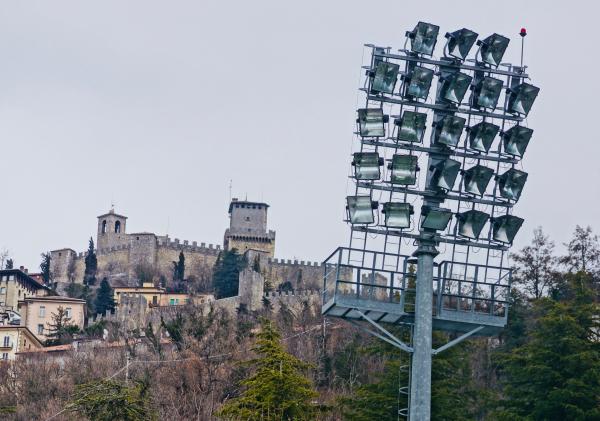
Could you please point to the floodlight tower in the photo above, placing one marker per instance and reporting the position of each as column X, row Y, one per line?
column 370, row 281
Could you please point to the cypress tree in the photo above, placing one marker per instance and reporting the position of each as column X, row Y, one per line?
column 226, row 274
column 45, row 268
column 91, row 265
column 104, row 298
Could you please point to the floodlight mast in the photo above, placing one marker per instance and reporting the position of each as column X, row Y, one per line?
column 466, row 294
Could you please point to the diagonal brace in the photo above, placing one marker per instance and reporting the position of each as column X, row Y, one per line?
column 383, row 338
column 456, row 341
column 397, row 342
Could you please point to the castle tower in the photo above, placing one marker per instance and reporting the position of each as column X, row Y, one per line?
column 111, row 230
column 248, row 228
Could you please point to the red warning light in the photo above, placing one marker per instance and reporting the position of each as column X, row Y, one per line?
column 523, row 32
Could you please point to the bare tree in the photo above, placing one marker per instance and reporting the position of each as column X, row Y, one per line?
column 536, row 268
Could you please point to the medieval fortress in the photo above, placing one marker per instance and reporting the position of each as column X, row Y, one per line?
column 122, row 256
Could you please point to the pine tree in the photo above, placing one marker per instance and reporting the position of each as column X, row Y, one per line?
column 104, row 298
column 555, row 375
column 45, row 268
column 226, row 274
column 277, row 389
column 583, row 251
column 91, row 265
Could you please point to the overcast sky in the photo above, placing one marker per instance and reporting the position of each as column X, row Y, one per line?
column 156, row 105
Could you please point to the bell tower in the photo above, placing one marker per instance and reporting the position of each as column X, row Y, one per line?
column 111, row 230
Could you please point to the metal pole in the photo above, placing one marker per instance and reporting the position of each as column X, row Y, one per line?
column 420, row 384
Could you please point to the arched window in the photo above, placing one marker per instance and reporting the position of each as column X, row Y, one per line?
column 118, row 227
column 104, row 227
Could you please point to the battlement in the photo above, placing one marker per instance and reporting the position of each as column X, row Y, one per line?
column 292, row 293
column 296, row 263
column 177, row 244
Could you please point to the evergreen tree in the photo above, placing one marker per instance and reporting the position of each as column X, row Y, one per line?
column 179, row 268
column 555, row 375
column 226, row 273
column 91, row 265
column 277, row 389
column 108, row 400
column 104, row 298
column 9, row 264
column 45, row 268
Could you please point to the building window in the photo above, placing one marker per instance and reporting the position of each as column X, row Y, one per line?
column 59, row 254
column 40, row 329
column 6, row 342
column 2, row 290
column 118, row 227
column 5, row 356
column 104, row 227
column 42, row 311
column 247, row 218
column 154, row 299
column 68, row 312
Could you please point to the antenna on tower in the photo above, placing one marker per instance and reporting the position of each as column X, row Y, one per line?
column 230, row 188
column 523, row 34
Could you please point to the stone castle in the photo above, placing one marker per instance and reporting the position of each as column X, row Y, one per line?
column 122, row 256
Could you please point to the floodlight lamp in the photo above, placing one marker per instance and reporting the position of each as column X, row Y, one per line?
column 481, row 136
column 505, row 228
column 435, row 218
column 460, row 42
column 444, row 174
column 487, row 92
column 516, row 140
column 454, row 87
column 493, row 49
column 511, row 184
column 449, row 129
column 360, row 209
column 404, row 169
column 521, row 98
column 411, row 127
column 371, row 122
column 384, row 80
column 397, row 214
column 471, row 223
column 476, row 179
column 367, row 165
column 423, row 38
column 419, row 83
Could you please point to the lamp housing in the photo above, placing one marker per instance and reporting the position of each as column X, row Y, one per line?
column 367, row 165
column 423, row 38
column 471, row 223
column 385, row 77
column 476, row 179
column 397, row 214
column 444, row 174
column 360, row 209
column 511, row 184
column 493, row 49
column 521, row 98
column 448, row 130
column 454, row 87
column 419, row 83
column 460, row 42
column 486, row 93
column 411, row 127
column 516, row 140
column 482, row 135
column 505, row 228
column 435, row 218
column 371, row 122
column 404, row 169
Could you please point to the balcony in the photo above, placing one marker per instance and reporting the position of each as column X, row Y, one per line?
column 6, row 346
column 382, row 286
